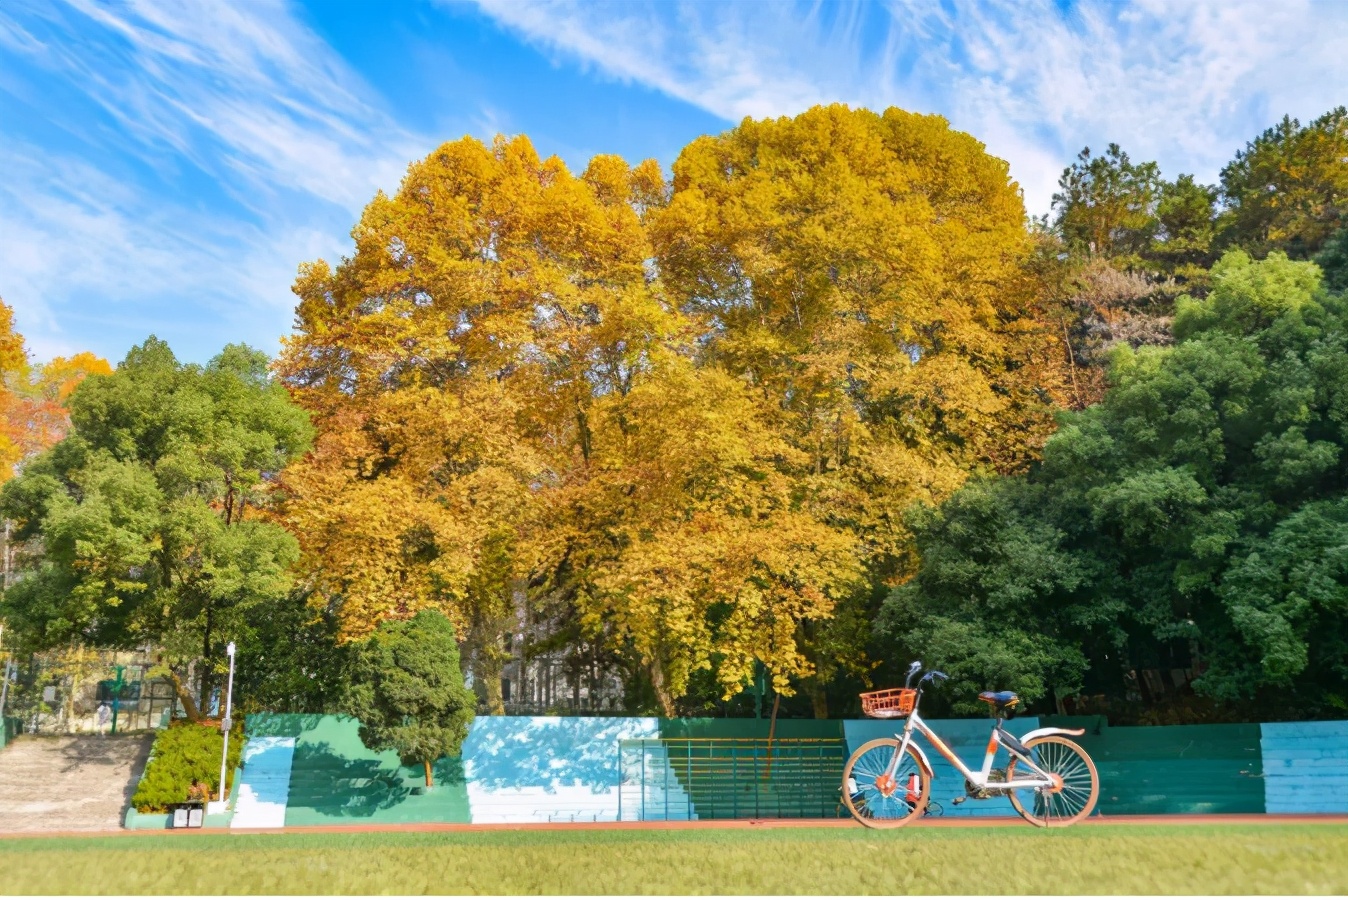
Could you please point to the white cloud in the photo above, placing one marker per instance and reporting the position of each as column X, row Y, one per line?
column 262, row 148
column 1185, row 84
column 83, row 249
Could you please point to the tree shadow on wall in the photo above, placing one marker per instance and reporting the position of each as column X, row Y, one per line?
column 511, row 752
column 337, row 785
column 267, row 724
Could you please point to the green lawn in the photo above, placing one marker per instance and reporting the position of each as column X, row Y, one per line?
column 1179, row 859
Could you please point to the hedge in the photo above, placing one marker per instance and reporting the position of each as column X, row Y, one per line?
column 181, row 752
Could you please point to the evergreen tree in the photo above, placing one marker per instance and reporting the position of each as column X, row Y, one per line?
column 407, row 690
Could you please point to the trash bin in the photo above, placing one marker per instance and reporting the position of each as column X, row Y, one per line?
column 187, row 815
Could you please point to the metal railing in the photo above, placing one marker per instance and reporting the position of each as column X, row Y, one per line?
column 730, row 778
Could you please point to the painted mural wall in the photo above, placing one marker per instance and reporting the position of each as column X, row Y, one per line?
column 313, row 770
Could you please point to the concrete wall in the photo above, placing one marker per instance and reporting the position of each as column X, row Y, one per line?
column 1305, row 767
column 556, row 769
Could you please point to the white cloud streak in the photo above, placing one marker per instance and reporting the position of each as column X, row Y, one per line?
column 240, row 101
column 1183, row 83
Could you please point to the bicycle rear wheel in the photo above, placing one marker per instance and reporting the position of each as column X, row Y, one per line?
column 1077, row 790
column 880, row 800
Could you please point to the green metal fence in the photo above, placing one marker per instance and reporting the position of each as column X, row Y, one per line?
column 730, row 778
column 10, row 728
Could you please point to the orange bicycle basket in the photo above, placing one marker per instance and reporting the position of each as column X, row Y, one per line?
column 894, row 703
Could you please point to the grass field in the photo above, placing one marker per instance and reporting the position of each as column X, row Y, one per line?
column 1176, row 859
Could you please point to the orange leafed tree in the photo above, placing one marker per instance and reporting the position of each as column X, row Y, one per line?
column 508, row 407
column 869, row 277
column 692, row 415
column 32, row 411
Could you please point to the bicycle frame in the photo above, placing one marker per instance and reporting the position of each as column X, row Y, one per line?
column 978, row 779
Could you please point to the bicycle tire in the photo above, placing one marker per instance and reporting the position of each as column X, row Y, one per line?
column 1072, row 765
column 873, row 799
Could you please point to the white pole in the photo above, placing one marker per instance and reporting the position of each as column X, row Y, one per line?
column 225, row 725
column 4, row 677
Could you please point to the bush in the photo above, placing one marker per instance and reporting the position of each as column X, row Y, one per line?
column 181, row 752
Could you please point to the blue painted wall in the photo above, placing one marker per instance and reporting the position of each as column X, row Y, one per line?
column 547, row 768
column 1305, row 767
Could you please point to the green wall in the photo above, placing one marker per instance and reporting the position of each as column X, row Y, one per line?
column 335, row 780
column 1143, row 770
column 10, row 728
column 1151, row 770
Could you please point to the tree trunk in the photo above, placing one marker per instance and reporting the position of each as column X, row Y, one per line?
column 206, row 672
column 185, row 696
column 489, row 670
column 430, row 782
column 818, row 698
column 662, row 694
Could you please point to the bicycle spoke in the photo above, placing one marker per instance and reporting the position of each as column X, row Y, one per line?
column 1074, row 792
column 866, row 772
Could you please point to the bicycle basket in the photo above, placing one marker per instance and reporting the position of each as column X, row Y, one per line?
column 894, row 703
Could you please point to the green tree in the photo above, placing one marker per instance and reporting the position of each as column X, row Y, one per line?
column 1287, row 596
column 1288, row 189
column 291, row 660
column 150, row 515
column 407, row 690
column 1106, row 205
column 1188, row 520
column 1187, row 215
column 1333, row 261
column 1000, row 601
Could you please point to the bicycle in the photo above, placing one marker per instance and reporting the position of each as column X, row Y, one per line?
column 887, row 782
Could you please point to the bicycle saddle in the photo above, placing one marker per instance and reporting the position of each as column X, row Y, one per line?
column 1000, row 699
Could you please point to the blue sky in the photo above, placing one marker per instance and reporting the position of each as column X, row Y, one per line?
column 165, row 166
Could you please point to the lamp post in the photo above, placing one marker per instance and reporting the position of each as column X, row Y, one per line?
column 225, row 724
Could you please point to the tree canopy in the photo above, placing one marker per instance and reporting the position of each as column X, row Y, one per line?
column 693, row 413
column 32, row 413
column 1189, row 520
column 148, row 521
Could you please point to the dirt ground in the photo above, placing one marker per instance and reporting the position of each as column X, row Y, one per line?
column 78, row 783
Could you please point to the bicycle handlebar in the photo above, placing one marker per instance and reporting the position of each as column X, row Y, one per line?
column 913, row 668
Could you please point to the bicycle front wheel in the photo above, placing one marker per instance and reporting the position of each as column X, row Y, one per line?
column 878, row 798
column 1076, row 784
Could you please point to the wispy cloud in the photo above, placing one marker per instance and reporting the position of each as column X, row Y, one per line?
column 1186, row 84
column 84, row 252
column 211, row 148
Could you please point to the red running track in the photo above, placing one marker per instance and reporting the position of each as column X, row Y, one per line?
column 930, row 822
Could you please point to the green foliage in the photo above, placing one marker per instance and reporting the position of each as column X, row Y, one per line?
column 1333, row 261
column 148, row 514
column 1288, row 189
column 1186, row 214
column 1287, row 595
column 290, row 660
column 407, row 690
column 1107, row 204
column 182, row 752
column 1193, row 518
column 999, row 601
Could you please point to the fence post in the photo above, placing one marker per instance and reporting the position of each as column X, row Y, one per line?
column 688, row 793
column 757, row 813
column 734, row 783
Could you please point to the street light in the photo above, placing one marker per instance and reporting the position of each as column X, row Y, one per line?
column 219, row 805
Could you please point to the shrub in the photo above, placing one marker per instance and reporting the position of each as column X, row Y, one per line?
column 181, row 752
